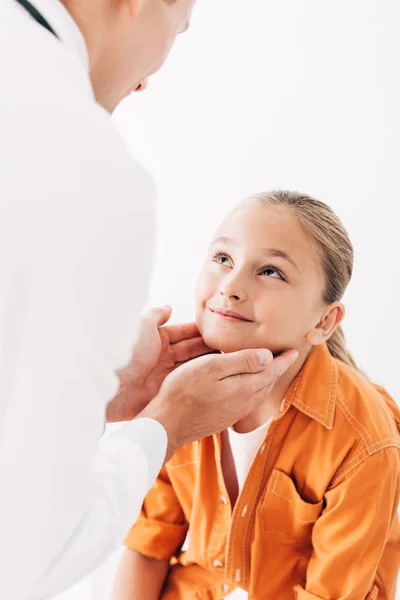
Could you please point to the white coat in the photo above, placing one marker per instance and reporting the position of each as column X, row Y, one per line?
column 76, row 235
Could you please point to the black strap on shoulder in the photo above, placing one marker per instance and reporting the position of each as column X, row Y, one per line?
column 35, row 14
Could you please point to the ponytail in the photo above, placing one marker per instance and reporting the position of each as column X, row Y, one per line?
column 337, row 347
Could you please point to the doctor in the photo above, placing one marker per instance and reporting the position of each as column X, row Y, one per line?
column 76, row 237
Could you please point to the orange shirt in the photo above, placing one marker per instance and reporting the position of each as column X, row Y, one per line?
column 317, row 515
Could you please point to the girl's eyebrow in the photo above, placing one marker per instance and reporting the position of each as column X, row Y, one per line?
column 267, row 251
column 280, row 254
column 224, row 240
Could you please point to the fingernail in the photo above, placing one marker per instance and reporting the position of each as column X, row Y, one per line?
column 263, row 357
column 295, row 356
column 166, row 306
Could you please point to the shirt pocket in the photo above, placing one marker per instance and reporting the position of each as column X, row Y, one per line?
column 284, row 513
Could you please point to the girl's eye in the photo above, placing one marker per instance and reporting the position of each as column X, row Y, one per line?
column 272, row 272
column 222, row 259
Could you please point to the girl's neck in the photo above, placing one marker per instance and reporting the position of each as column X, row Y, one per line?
column 273, row 401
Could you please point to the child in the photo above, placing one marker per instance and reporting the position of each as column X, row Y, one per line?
column 299, row 499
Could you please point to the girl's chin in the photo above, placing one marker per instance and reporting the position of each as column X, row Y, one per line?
column 226, row 346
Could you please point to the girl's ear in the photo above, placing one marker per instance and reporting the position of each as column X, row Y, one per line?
column 330, row 320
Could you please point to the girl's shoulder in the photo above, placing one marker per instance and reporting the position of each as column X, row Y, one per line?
column 347, row 418
column 366, row 406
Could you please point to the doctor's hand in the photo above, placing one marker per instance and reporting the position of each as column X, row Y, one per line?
column 211, row 393
column 158, row 351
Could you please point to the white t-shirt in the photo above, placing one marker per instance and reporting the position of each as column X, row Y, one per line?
column 76, row 237
column 244, row 447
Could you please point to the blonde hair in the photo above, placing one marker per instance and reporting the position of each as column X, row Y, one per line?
column 336, row 250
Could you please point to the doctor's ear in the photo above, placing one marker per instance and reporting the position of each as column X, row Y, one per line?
column 328, row 323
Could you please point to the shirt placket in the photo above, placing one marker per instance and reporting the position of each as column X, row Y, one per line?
column 238, row 548
column 222, row 520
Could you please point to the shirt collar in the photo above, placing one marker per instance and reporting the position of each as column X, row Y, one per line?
column 64, row 26
column 314, row 390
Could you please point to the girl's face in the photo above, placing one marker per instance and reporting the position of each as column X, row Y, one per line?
column 262, row 283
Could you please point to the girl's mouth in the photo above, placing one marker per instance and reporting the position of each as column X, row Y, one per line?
column 230, row 315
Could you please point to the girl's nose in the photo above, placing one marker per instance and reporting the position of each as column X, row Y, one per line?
column 231, row 297
column 233, row 291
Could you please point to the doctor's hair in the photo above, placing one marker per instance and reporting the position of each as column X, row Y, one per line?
column 336, row 250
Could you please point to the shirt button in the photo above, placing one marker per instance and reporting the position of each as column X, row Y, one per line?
column 224, row 500
column 262, row 449
column 225, row 588
column 237, row 577
column 218, row 563
column 244, row 511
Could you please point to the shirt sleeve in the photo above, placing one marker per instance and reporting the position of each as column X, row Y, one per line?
column 162, row 527
column 78, row 241
column 350, row 536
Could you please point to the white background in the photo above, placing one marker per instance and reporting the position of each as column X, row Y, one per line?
column 299, row 94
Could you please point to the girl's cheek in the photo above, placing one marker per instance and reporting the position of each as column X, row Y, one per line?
column 270, row 315
column 199, row 318
column 207, row 285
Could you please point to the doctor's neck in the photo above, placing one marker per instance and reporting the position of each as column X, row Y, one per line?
column 94, row 19
column 97, row 21
column 127, row 41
